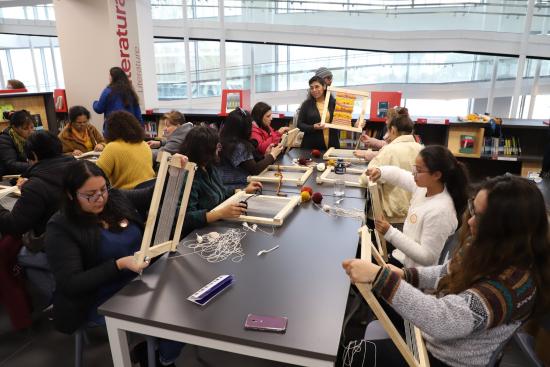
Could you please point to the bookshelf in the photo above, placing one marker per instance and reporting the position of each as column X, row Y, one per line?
column 39, row 104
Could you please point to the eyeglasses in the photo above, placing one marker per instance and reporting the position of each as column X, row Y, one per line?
column 416, row 171
column 93, row 198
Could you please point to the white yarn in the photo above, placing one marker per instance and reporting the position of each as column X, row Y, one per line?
column 216, row 247
column 341, row 212
column 255, row 228
column 353, row 348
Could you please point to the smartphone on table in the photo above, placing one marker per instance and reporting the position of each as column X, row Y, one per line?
column 275, row 324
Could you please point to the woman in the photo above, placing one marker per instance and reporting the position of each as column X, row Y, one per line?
column 118, row 95
column 401, row 152
column 175, row 131
column 90, row 243
column 126, row 160
column 316, row 136
column 15, row 84
column 374, row 145
column 439, row 185
column 13, row 160
column 263, row 136
column 497, row 278
column 40, row 196
column 208, row 191
column 238, row 158
column 79, row 136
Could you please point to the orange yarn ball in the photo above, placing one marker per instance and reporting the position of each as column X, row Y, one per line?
column 305, row 196
column 308, row 189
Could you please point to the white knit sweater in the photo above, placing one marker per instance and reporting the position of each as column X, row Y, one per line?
column 430, row 221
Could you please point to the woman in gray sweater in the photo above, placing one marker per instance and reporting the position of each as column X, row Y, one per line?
column 498, row 278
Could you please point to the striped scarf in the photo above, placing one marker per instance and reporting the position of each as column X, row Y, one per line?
column 18, row 140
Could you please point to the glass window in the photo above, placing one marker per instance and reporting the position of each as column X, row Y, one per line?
column 437, row 107
column 5, row 67
column 50, row 74
column 170, row 69
column 207, row 60
column 167, row 9
column 15, row 12
column 21, row 60
column 237, row 65
column 58, row 67
column 39, row 70
column 542, row 107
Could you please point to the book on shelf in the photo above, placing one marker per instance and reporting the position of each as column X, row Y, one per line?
column 502, row 147
column 151, row 129
column 467, row 143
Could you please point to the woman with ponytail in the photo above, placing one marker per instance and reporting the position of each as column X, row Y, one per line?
column 439, row 187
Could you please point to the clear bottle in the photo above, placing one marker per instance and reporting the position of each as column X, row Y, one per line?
column 339, row 180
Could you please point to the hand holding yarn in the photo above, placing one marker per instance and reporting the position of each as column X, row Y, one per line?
column 381, row 225
column 253, row 187
column 231, row 211
column 129, row 262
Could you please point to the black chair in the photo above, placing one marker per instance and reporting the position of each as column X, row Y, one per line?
column 146, row 184
column 450, row 244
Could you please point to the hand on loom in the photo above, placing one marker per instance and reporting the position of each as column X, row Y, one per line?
column 21, row 181
column 318, row 126
column 374, row 174
column 234, row 210
column 253, row 187
column 381, row 225
column 276, row 150
column 99, row 147
column 283, row 130
column 360, row 271
column 129, row 262
column 183, row 159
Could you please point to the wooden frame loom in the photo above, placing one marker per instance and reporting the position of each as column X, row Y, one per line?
column 91, row 155
column 267, row 174
column 342, row 102
column 357, row 183
column 344, row 154
column 377, row 213
column 415, row 354
column 166, row 199
column 289, row 138
column 7, row 190
column 276, row 220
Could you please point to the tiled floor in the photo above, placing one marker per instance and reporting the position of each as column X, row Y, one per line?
column 42, row 346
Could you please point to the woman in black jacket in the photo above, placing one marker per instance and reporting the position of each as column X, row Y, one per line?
column 40, row 196
column 90, row 243
column 316, row 136
column 12, row 142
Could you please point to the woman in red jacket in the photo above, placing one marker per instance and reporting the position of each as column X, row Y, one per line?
column 263, row 134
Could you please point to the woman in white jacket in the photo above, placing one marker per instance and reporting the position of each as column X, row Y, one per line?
column 439, row 187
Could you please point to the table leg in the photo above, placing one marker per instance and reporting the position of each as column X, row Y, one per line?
column 118, row 342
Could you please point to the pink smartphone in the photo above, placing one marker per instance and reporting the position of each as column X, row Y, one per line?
column 266, row 323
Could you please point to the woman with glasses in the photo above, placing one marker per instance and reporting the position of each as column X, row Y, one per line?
column 79, row 136
column 374, row 145
column 316, row 136
column 127, row 160
column 439, row 187
column 239, row 158
column 498, row 277
column 401, row 151
column 13, row 160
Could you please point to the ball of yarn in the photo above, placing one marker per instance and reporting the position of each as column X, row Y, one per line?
column 306, row 196
column 308, row 189
column 317, row 198
column 331, row 162
column 321, row 167
column 302, row 161
column 315, row 153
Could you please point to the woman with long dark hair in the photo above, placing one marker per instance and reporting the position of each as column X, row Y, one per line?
column 118, row 95
column 238, row 156
column 263, row 135
column 439, row 187
column 498, row 277
column 316, row 136
column 12, row 143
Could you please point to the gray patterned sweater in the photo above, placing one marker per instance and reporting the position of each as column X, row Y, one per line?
column 460, row 329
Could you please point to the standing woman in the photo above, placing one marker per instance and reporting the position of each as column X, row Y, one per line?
column 497, row 278
column 263, row 134
column 439, row 187
column 316, row 136
column 118, row 95
column 79, row 136
column 13, row 160
column 127, row 160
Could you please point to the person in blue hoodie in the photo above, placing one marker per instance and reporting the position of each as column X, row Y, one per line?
column 118, row 95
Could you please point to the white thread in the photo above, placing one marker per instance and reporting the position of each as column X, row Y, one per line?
column 341, row 212
column 255, row 228
column 353, row 348
column 217, row 247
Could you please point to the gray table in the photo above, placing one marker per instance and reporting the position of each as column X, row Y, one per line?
column 302, row 280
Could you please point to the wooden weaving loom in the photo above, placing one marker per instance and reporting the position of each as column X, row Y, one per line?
column 344, row 154
column 173, row 186
column 377, row 213
column 296, row 175
column 351, row 177
column 414, row 350
column 345, row 101
column 289, row 138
